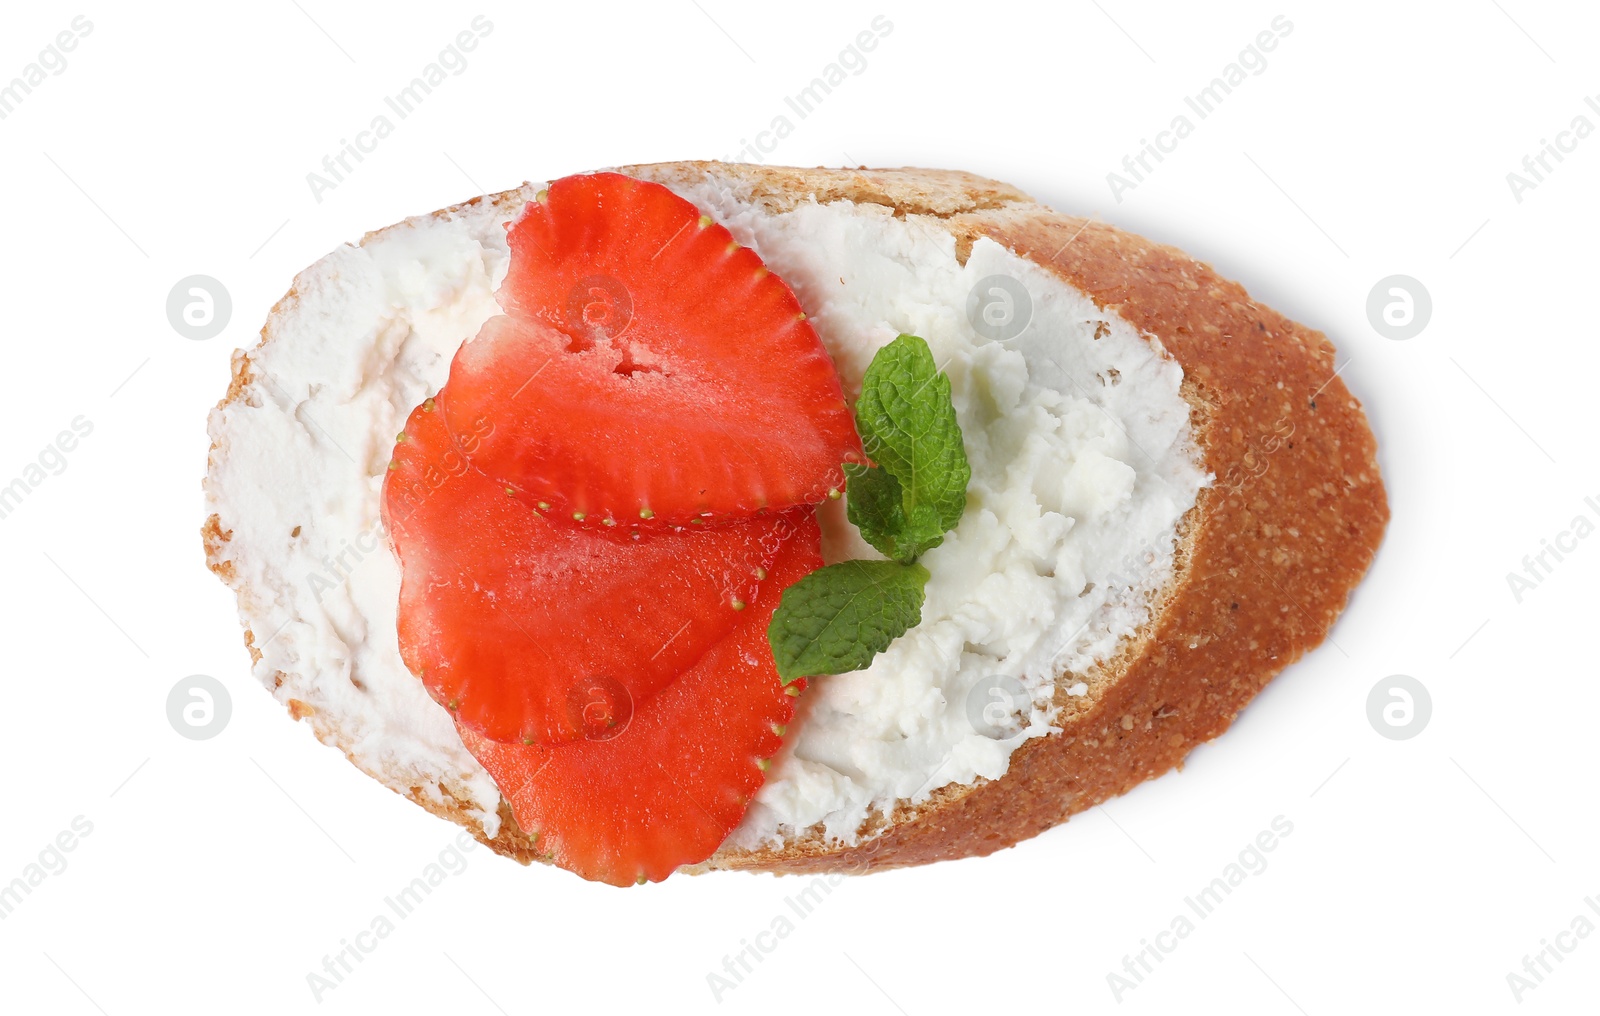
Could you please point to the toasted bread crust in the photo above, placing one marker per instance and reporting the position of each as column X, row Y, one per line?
column 1266, row 559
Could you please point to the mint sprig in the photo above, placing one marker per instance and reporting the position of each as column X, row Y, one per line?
column 908, row 427
column 838, row 618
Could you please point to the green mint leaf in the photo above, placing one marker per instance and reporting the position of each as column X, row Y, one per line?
column 876, row 506
column 908, row 427
column 838, row 618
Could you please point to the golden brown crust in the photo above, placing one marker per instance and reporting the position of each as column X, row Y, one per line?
column 1266, row 560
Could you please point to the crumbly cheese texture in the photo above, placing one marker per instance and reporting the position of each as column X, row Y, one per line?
column 1082, row 460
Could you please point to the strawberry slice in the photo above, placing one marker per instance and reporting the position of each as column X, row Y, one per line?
column 670, row 787
column 534, row 629
column 650, row 367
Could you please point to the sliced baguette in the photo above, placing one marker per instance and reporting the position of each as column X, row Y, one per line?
column 1265, row 560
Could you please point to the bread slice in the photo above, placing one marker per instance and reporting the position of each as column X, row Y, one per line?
column 1264, row 561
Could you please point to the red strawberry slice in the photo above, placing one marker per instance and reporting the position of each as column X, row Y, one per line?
column 670, row 787
column 650, row 367
column 513, row 619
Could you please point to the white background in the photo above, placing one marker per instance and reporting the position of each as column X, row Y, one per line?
column 1377, row 141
